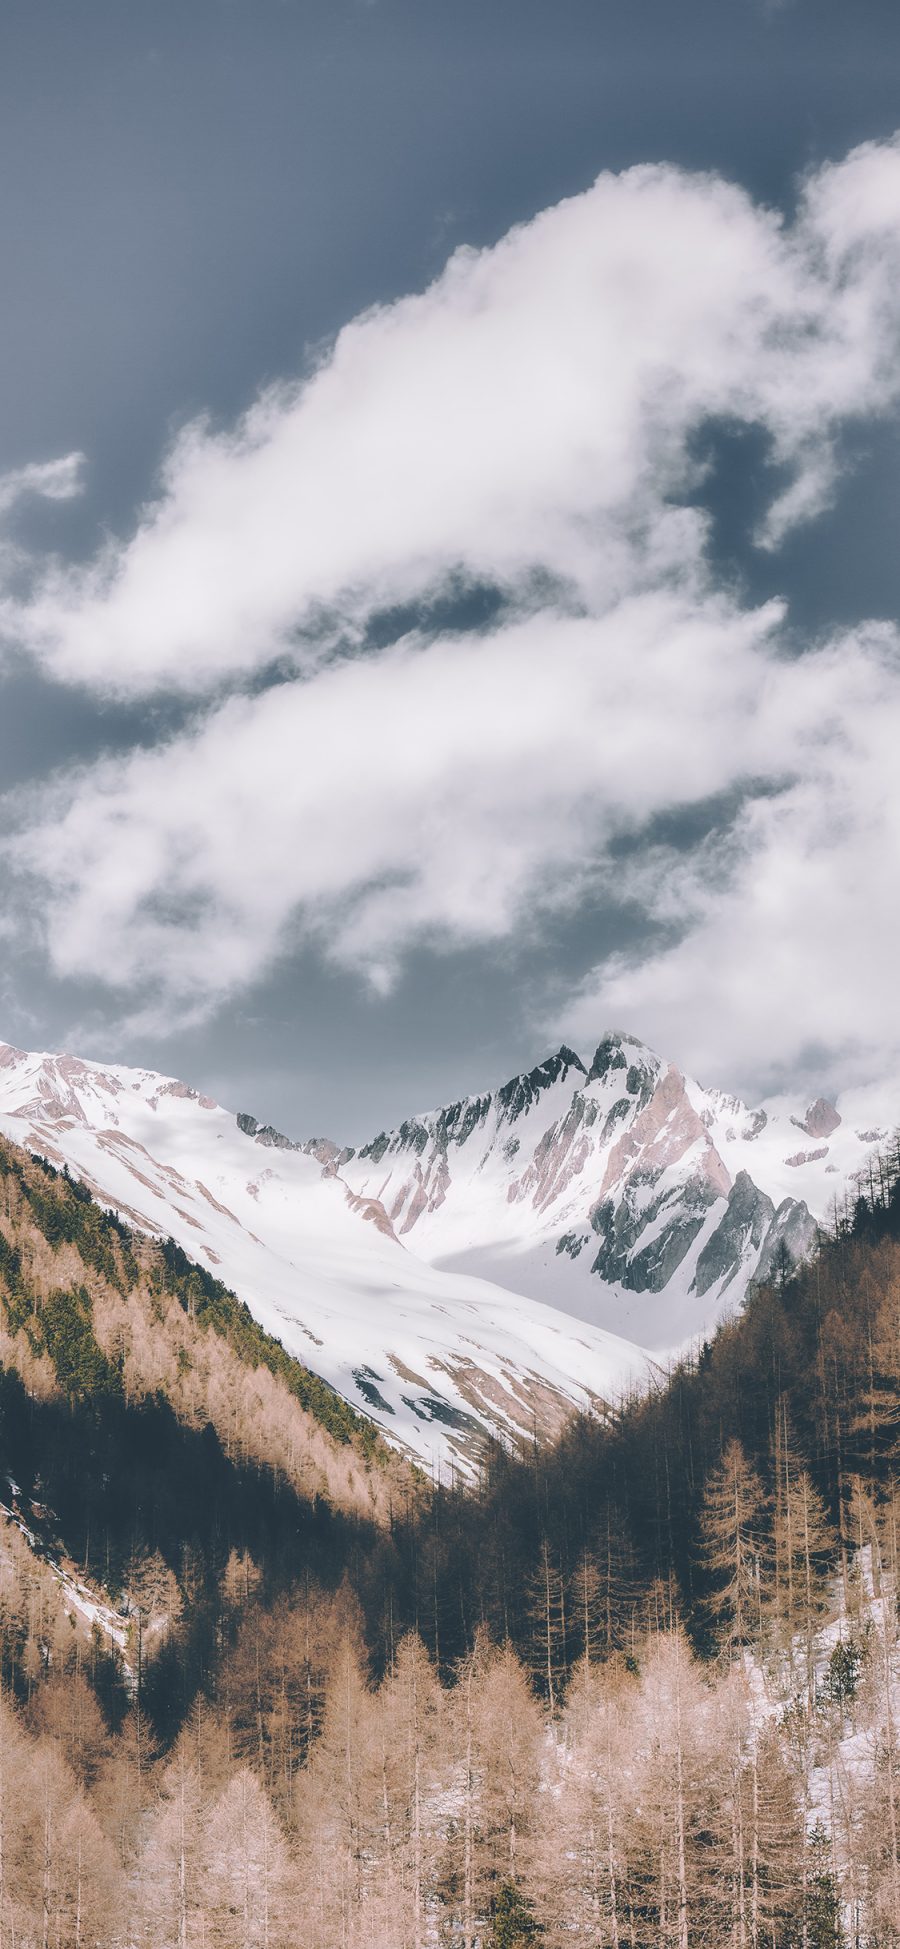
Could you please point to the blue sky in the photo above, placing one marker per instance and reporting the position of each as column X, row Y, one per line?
column 193, row 202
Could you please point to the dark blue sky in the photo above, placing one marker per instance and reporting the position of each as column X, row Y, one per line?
column 193, row 196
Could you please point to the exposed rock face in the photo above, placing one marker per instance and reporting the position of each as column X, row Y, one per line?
column 522, row 1092
column 665, row 1130
column 611, row 1173
column 821, row 1119
column 742, row 1231
column 791, row 1237
column 629, row 1258
column 646, row 1223
column 263, row 1133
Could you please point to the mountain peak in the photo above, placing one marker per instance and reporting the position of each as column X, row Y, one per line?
column 522, row 1091
column 518, row 1246
column 616, row 1050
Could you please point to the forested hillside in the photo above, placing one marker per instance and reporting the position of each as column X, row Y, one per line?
column 638, row 1689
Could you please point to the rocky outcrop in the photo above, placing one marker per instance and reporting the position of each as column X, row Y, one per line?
column 518, row 1096
column 265, row 1133
column 642, row 1244
column 740, row 1234
column 666, row 1129
column 791, row 1237
column 821, row 1119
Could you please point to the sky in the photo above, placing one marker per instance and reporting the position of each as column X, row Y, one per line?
column 449, row 581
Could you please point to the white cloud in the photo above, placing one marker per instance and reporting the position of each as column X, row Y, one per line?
column 433, row 793
column 789, row 928
column 535, row 410
column 452, row 790
column 50, row 480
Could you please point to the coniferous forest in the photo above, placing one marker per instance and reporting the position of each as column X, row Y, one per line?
column 262, row 1683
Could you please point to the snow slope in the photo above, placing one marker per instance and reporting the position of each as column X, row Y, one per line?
column 620, row 1190
column 433, row 1357
column 486, row 1265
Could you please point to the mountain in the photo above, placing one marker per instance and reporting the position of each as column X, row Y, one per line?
column 618, row 1189
column 485, row 1267
column 435, row 1358
column 224, row 1679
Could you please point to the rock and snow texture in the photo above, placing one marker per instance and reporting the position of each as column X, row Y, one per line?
column 487, row 1265
column 433, row 1357
column 617, row 1189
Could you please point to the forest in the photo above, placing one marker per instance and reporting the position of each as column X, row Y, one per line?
column 262, row 1683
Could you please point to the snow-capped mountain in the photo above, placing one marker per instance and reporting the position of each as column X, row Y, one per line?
column 486, row 1265
column 617, row 1189
column 433, row 1357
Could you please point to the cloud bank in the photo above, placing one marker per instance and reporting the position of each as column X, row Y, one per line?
column 530, row 422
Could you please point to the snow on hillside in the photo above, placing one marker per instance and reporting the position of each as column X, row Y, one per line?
column 434, row 1358
column 485, row 1265
column 620, row 1190
column 801, row 1150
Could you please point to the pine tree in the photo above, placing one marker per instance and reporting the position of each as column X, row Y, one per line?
column 246, row 1875
column 730, row 1527
column 602, row 1590
column 822, row 1925
column 547, row 1614
column 581, row 1869
column 875, row 1423
column 513, row 1920
column 803, row 1543
column 170, row 1908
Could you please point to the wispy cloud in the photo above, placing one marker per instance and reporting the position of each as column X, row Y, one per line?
column 49, row 480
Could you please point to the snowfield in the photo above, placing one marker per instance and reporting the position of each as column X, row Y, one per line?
column 433, row 1357
column 487, row 1266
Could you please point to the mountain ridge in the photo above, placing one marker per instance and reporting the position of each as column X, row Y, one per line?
column 439, row 1361
column 611, row 1165
column 486, row 1267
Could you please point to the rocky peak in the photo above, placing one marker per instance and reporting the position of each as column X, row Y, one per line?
column 622, row 1052
column 266, row 1134
column 744, row 1226
column 521, row 1092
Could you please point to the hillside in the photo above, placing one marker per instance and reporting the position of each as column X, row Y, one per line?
column 93, row 1312
column 485, row 1268
column 437, row 1360
column 640, row 1687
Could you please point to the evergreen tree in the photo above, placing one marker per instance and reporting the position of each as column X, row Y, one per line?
column 730, row 1527
column 512, row 1919
column 803, row 1544
column 547, row 1615
column 602, row 1589
column 822, row 1925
